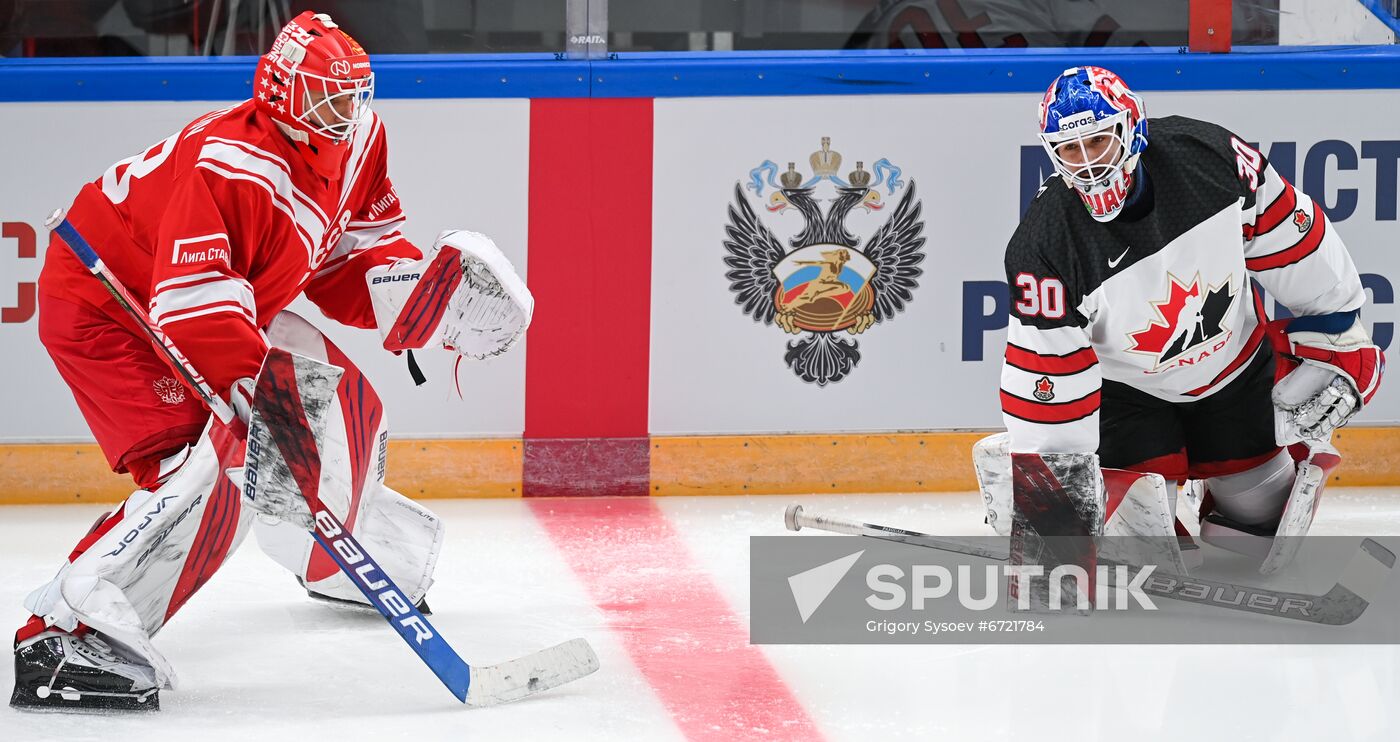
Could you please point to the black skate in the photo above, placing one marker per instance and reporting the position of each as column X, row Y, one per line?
column 357, row 605
column 61, row 672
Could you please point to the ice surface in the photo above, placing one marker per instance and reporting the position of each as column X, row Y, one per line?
column 258, row 661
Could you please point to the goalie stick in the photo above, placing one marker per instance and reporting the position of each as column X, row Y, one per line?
column 1341, row 605
column 473, row 685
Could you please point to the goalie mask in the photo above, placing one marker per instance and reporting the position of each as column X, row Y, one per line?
column 316, row 84
column 1094, row 129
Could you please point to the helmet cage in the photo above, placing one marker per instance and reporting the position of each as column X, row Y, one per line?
column 316, row 97
column 1098, row 173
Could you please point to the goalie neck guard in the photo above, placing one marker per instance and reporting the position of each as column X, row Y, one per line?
column 316, row 83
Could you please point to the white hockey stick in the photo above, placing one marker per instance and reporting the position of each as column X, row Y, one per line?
column 1341, row 605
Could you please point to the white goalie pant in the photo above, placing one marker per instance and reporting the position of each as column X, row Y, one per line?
column 168, row 544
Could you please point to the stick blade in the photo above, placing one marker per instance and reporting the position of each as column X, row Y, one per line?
column 515, row 679
column 1359, row 584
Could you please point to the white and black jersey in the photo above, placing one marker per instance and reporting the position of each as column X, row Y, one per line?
column 1159, row 299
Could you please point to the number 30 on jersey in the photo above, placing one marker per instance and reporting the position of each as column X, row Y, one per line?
column 1040, row 297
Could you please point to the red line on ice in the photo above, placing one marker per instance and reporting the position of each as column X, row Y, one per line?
column 676, row 626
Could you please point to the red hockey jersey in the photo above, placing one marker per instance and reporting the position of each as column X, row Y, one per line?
column 222, row 225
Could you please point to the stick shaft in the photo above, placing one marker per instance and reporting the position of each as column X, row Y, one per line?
column 887, row 533
column 392, row 603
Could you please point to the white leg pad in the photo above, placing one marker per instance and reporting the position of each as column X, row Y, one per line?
column 124, row 583
column 1273, row 491
column 991, row 458
column 1141, row 526
column 1302, row 504
column 403, row 536
column 1141, row 505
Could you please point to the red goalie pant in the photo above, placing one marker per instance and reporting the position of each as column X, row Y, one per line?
column 136, row 409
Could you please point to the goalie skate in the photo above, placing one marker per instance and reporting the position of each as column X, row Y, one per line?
column 354, row 605
column 62, row 672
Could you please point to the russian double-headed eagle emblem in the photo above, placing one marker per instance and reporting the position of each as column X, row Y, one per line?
column 824, row 281
column 169, row 390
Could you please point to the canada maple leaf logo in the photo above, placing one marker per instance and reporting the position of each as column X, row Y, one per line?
column 1302, row 220
column 1186, row 318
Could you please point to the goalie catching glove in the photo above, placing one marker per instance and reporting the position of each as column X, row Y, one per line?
column 1339, row 370
column 463, row 295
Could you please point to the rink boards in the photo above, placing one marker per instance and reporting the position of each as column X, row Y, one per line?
column 642, row 373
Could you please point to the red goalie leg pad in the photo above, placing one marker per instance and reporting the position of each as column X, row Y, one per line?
column 98, row 530
column 215, row 539
column 1055, row 513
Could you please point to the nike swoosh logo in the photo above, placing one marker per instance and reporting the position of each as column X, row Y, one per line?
column 1115, row 261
